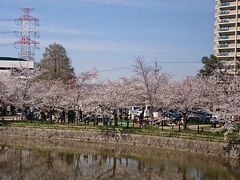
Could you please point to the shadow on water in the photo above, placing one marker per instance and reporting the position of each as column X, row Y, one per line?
column 70, row 160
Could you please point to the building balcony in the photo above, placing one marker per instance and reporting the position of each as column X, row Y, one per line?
column 229, row 63
column 225, row 54
column 223, row 12
column 228, row 54
column 238, row 37
column 226, row 46
column 227, row 21
column 226, row 38
column 227, row 5
column 227, row 29
column 227, row 13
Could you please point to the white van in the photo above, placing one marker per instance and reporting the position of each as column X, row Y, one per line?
column 135, row 111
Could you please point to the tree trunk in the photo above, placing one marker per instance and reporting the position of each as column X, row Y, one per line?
column 184, row 120
column 22, row 113
column 78, row 115
column 115, row 118
column 115, row 121
column 50, row 115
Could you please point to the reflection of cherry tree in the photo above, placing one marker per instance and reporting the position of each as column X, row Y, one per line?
column 46, row 164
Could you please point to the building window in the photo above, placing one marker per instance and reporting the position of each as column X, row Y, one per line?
column 224, row 29
column 224, row 20
column 225, row 12
column 223, row 53
column 224, row 37
column 224, row 45
column 225, row 4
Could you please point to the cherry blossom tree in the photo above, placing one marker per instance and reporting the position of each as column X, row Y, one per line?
column 110, row 95
column 190, row 93
column 152, row 80
column 80, row 91
column 227, row 102
column 3, row 89
column 220, row 96
column 133, row 92
column 2, row 96
column 19, row 86
column 54, row 94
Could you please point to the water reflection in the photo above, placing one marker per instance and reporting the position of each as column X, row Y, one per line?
column 28, row 164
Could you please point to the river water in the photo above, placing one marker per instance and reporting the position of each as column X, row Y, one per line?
column 99, row 161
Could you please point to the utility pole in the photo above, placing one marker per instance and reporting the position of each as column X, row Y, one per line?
column 157, row 69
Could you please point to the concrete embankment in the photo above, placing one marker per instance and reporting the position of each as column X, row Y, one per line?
column 187, row 145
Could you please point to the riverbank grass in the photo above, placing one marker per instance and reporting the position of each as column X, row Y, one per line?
column 201, row 133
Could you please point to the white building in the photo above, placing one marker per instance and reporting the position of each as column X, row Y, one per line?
column 227, row 33
column 10, row 63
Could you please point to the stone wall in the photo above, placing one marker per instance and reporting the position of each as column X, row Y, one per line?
column 187, row 145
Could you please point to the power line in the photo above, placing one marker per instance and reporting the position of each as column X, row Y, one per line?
column 7, row 19
column 5, row 32
column 160, row 62
column 6, row 44
column 115, row 69
column 176, row 62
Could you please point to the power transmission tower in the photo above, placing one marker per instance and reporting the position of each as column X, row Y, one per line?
column 27, row 32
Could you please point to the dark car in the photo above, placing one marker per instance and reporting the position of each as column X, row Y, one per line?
column 199, row 117
column 172, row 115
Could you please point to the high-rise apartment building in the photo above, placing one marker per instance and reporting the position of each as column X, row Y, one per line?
column 227, row 34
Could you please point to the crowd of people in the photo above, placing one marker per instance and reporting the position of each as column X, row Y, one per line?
column 61, row 115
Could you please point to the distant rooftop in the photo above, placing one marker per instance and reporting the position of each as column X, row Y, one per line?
column 11, row 59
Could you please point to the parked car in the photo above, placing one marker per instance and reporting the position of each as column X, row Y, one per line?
column 213, row 121
column 135, row 111
column 199, row 116
column 172, row 115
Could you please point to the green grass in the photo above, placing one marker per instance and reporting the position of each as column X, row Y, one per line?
column 187, row 134
column 149, row 130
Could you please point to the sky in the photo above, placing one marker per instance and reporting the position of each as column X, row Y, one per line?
column 110, row 34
